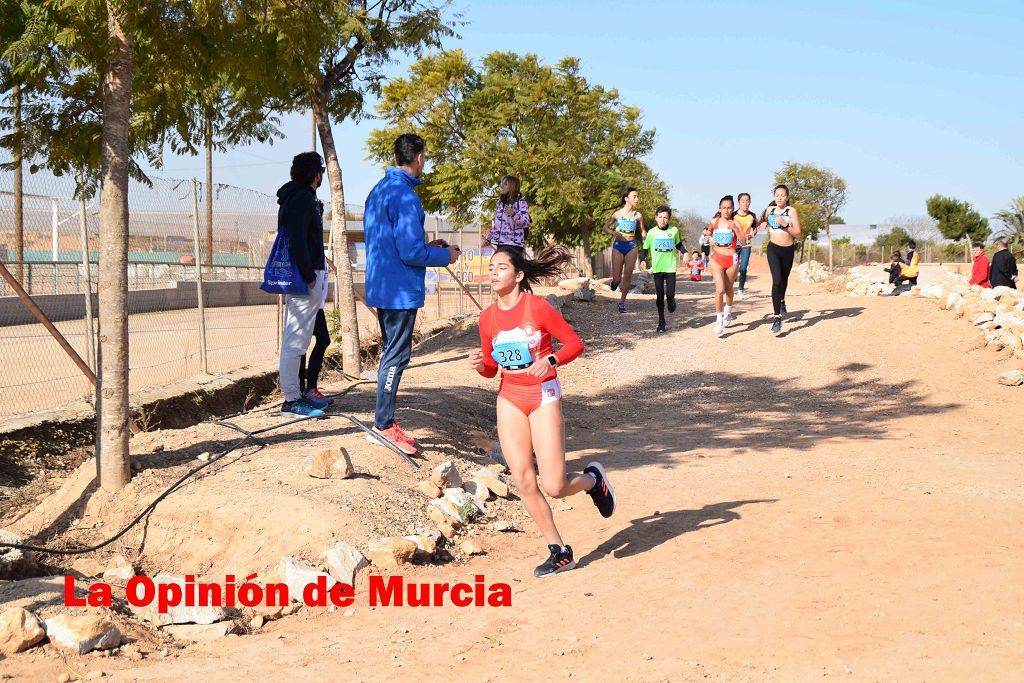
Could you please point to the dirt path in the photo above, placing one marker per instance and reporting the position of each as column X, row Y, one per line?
column 844, row 500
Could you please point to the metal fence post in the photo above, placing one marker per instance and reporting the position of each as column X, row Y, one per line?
column 437, row 283
column 199, row 277
column 480, row 260
column 90, row 333
column 54, row 241
column 462, row 294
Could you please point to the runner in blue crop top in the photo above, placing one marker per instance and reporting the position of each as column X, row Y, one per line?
column 624, row 247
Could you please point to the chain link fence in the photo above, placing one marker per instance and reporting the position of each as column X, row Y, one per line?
column 864, row 254
column 173, row 333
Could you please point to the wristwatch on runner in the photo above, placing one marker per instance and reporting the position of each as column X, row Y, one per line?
column 553, row 360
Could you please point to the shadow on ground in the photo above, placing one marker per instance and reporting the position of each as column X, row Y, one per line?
column 645, row 533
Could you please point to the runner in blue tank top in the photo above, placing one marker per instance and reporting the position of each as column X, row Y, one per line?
column 627, row 221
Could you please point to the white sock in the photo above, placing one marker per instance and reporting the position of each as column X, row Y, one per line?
column 728, row 309
column 718, row 317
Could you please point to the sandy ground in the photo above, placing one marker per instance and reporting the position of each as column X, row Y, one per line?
column 844, row 500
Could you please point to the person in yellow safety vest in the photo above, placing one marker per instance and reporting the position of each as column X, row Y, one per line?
column 908, row 271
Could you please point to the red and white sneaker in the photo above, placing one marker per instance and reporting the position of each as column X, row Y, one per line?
column 403, row 436
column 391, row 436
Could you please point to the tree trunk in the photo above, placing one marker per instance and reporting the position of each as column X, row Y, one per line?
column 967, row 248
column 208, row 137
column 828, row 236
column 112, row 391
column 343, row 284
column 19, row 201
column 588, row 255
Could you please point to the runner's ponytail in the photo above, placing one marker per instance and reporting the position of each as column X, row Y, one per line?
column 548, row 263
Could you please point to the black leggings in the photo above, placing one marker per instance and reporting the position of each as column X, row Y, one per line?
column 780, row 262
column 665, row 283
column 308, row 376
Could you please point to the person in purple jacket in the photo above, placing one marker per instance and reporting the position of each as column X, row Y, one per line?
column 397, row 258
column 512, row 217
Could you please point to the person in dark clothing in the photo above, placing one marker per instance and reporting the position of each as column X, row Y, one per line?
column 894, row 267
column 1004, row 266
column 301, row 216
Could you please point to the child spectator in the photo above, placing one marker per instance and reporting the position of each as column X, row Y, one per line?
column 894, row 267
column 696, row 265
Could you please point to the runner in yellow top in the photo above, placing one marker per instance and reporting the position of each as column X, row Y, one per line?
column 748, row 227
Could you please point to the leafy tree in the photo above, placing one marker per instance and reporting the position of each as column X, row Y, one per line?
column 1013, row 222
column 818, row 194
column 330, row 55
column 896, row 238
column 836, row 220
column 223, row 98
column 956, row 221
column 104, row 78
column 573, row 144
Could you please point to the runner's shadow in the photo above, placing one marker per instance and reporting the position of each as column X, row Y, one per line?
column 826, row 314
column 648, row 532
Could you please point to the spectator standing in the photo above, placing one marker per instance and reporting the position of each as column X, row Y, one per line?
column 1003, row 272
column 396, row 263
column 512, row 220
column 980, row 271
column 301, row 216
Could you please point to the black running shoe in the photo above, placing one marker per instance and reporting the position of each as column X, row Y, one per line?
column 614, row 285
column 602, row 494
column 661, row 326
column 777, row 325
column 559, row 561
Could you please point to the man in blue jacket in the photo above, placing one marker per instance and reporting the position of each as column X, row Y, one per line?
column 397, row 258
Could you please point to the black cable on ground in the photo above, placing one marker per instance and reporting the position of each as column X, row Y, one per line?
column 249, row 436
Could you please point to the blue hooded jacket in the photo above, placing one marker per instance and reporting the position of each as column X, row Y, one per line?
column 396, row 254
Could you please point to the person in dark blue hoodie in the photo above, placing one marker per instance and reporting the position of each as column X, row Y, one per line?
column 397, row 257
column 301, row 216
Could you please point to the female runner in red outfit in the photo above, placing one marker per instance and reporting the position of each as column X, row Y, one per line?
column 515, row 336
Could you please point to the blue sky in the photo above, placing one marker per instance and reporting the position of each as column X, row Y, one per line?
column 903, row 99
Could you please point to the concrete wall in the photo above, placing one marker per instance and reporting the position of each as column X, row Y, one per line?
column 61, row 307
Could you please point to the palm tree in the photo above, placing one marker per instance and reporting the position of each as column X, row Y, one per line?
column 1013, row 221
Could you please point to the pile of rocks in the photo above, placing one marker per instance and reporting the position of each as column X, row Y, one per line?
column 812, row 271
column 998, row 313
column 863, row 281
column 20, row 630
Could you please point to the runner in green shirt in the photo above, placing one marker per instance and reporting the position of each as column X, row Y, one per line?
column 663, row 241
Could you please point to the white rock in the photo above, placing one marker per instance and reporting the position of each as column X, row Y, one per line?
column 447, row 509
column 179, row 614
column 1013, row 378
column 82, row 634
column 391, row 552
column 983, row 318
column 582, row 294
column 446, row 476
column 297, row 575
column 344, row 562
column 426, row 543
column 13, row 561
column 479, row 492
column 19, row 630
column 495, row 482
